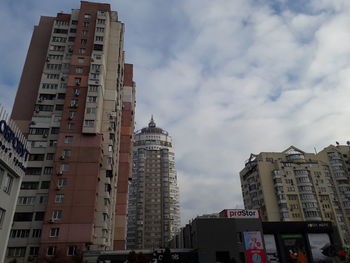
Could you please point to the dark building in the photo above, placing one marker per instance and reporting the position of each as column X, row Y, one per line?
column 243, row 239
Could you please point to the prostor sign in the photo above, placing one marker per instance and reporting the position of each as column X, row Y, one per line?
column 239, row 213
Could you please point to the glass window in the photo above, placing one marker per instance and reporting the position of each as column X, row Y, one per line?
column 59, row 198
column 51, row 251
column 54, row 232
column 8, row 180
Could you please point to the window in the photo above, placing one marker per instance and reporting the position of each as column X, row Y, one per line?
column 33, row 171
column 77, row 81
column 85, row 33
column 45, row 185
column 8, row 180
column 50, row 156
column 64, row 167
column 71, row 250
column 33, row 251
column 97, row 56
column 87, row 16
column 43, row 199
column 90, row 110
column 78, row 70
column 38, row 131
column 81, row 60
column 72, row 115
column 100, row 29
column 101, row 21
column 101, row 13
column 91, row 98
column 62, row 182
column 19, row 233
column 98, row 47
column 39, row 144
column 51, row 251
column 93, row 88
column 54, row 232
column 59, row 198
column 82, row 50
column 16, row 252
column 68, row 139
column 89, row 123
column 61, row 96
column 74, row 22
column 73, row 30
column 26, row 200
column 94, row 76
column 30, row 185
column 60, row 31
column 49, row 86
column 86, row 24
column 55, row 130
column 57, row 48
column 71, row 126
column 66, row 153
column 56, row 214
column 71, row 39
column 110, row 148
column 23, row 217
column 2, row 216
column 39, row 216
column 36, row 233
column 54, row 66
column 36, row 157
column 48, row 170
column 99, row 38
column 83, row 41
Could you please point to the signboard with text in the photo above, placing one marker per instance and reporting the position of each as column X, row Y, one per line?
column 239, row 213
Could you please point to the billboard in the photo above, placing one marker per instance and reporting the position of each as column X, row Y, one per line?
column 294, row 248
column 271, row 249
column 254, row 248
column 317, row 243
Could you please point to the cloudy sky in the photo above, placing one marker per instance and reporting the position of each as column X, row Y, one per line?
column 226, row 78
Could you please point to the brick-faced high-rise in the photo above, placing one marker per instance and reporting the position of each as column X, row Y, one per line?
column 69, row 104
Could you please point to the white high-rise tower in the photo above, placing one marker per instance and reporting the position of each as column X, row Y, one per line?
column 154, row 214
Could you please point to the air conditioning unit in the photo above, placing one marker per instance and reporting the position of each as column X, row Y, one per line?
column 70, row 118
column 58, row 188
column 62, row 157
column 45, row 135
column 60, row 173
column 51, row 221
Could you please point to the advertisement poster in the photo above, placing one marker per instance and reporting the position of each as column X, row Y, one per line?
column 254, row 247
column 317, row 243
column 271, row 249
column 294, row 248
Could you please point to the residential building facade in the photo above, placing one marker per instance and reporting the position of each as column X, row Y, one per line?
column 69, row 105
column 154, row 216
column 13, row 158
column 125, row 158
column 296, row 186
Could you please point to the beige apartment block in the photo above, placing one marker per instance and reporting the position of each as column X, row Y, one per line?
column 297, row 186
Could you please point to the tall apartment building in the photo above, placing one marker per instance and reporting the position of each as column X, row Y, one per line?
column 69, row 104
column 125, row 158
column 296, row 186
column 13, row 158
column 154, row 215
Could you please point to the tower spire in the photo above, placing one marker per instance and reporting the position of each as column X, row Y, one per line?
column 152, row 124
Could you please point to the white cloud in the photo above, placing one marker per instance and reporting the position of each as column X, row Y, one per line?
column 225, row 78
